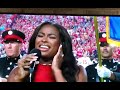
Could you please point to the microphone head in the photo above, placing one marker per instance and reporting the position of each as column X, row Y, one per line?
column 36, row 51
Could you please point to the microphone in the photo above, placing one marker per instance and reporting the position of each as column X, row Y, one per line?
column 32, row 66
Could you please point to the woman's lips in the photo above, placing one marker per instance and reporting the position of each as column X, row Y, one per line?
column 44, row 48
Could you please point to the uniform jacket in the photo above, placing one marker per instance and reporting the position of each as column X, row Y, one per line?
column 110, row 64
column 6, row 65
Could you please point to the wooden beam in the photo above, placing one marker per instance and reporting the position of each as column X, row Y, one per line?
column 63, row 11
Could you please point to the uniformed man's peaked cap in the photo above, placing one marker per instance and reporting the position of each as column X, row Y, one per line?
column 103, row 39
column 13, row 34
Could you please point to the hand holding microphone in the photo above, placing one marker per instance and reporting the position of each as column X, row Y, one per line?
column 27, row 63
column 103, row 72
column 38, row 54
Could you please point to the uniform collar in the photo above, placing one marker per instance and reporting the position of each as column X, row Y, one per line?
column 105, row 61
column 15, row 59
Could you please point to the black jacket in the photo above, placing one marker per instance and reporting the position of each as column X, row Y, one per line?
column 6, row 65
column 110, row 64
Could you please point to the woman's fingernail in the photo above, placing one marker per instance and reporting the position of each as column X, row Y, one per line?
column 33, row 60
column 60, row 45
column 34, row 53
column 36, row 57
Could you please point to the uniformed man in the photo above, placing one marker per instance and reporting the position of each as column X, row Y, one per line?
column 109, row 65
column 12, row 41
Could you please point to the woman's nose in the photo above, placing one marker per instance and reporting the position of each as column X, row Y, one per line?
column 44, row 39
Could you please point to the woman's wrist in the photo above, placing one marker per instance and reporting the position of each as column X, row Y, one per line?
column 18, row 79
column 58, row 75
column 56, row 70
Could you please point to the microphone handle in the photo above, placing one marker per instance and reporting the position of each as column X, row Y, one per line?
column 32, row 66
column 31, row 69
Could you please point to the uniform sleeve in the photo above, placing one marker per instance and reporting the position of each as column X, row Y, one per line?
column 1, row 63
column 117, row 76
column 1, row 66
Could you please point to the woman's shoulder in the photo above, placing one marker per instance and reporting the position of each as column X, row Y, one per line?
column 82, row 75
column 81, row 67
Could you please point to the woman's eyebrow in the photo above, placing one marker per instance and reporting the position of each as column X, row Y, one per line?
column 48, row 34
column 52, row 34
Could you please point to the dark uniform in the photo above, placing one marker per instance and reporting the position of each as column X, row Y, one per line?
column 111, row 64
column 92, row 72
column 8, row 63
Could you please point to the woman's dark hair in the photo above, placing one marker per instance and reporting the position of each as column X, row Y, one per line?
column 69, row 67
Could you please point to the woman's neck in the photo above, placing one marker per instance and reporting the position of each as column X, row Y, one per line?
column 45, row 62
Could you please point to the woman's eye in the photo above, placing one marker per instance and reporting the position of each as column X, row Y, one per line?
column 52, row 37
column 40, row 35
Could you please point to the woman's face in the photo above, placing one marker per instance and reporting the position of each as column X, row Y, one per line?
column 48, row 41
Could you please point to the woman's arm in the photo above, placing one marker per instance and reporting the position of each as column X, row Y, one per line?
column 82, row 75
column 59, row 76
column 56, row 64
column 19, row 73
column 14, row 76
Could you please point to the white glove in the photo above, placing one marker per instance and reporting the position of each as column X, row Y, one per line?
column 103, row 72
column 3, row 79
